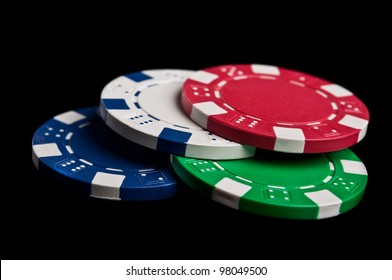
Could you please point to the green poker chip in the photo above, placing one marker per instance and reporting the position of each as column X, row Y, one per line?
column 314, row 186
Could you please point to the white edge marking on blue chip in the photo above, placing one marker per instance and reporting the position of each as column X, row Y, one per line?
column 204, row 77
column 265, row 69
column 45, row 150
column 229, row 192
column 353, row 167
column 357, row 123
column 290, row 140
column 328, row 203
column 69, row 117
column 201, row 111
column 336, row 90
column 105, row 185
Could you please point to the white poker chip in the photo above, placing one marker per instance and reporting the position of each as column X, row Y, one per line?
column 145, row 107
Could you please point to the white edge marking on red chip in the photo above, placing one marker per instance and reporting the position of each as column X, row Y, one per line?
column 203, row 77
column 265, row 69
column 201, row 111
column 328, row 203
column 336, row 90
column 229, row 192
column 357, row 123
column 291, row 140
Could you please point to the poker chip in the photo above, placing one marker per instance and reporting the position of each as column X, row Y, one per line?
column 274, row 108
column 282, row 185
column 78, row 147
column 145, row 108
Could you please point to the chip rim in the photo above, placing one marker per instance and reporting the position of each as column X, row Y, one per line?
column 203, row 185
column 46, row 163
column 208, row 116
column 195, row 146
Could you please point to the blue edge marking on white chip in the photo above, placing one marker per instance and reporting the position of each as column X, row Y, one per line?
column 181, row 137
column 144, row 107
column 77, row 145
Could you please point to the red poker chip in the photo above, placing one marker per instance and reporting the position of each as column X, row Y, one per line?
column 275, row 108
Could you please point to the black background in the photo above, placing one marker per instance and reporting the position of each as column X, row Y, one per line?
column 66, row 69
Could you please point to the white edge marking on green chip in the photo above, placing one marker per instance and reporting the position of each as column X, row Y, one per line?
column 265, row 69
column 328, row 203
column 69, row 117
column 308, row 187
column 201, row 111
column 336, row 90
column 291, row 140
column 105, row 185
column 203, row 77
column 327, row 179
column 353, row 167
column 229, row 192
column 357, row 123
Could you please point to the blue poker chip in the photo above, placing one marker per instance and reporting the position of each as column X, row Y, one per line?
column 77, row 145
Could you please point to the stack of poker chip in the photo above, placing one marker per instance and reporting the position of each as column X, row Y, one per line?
column 257, row 138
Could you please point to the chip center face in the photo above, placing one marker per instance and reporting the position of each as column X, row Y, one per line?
column 285, row 170
column 96, row 141
column 276, row 100
column 163, row 102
